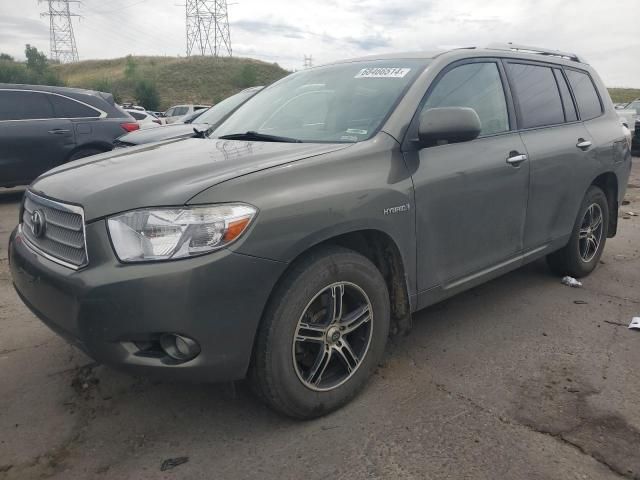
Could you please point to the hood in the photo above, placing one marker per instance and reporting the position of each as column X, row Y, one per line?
column 165, row 132
column 164, row 174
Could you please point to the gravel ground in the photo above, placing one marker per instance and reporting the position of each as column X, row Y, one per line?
column 519, row 378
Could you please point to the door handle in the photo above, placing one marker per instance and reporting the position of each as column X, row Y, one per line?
column 515, row 159
column 58, row 131
column 583, row 144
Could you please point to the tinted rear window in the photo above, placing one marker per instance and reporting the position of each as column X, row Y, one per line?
column 586, row 95
column 567, row 101
column 538, row 95
column 67, row 108
column 136, row 115
column 16, row 105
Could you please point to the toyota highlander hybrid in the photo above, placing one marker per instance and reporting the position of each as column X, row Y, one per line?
column 287, row 245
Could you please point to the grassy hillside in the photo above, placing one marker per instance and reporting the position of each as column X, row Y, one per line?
column 178, row 80
column 623, row 95
column 194, row 79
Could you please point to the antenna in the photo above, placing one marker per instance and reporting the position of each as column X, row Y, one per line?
column 62, row 42
column 207, row 28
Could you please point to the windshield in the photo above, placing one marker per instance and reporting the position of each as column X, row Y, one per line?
column 338, row 103
column 220, row 110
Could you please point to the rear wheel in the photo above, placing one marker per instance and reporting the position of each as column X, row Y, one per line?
column 323, row 334
column 581, row 255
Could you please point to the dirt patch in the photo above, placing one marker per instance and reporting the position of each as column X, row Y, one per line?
column 556, row 403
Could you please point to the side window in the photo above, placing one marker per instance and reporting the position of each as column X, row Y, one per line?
column 67, row 108
column 569, row 108
column 17, row 105
column 180, row 111
column 586, row 96
column 474, row 85
column 136, row 115
column 538, row 95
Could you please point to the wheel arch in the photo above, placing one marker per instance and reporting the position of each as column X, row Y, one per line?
column 380, row 248
column 608, row 182
column 94, row 145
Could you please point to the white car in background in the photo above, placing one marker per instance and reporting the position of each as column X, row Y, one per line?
column 144, row 119
column 176, row 112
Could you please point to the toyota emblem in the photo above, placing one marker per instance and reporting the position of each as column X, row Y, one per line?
column 38, row 223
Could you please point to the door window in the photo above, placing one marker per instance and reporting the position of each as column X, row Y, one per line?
column 477, row 86
column 538, row 95
column 179, row 111
column 19, row 105
column 586, row 95
column 67, row 108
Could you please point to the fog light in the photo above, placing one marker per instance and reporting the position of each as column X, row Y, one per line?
column 179, row 347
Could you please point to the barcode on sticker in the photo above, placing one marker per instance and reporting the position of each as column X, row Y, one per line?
column 382, row 72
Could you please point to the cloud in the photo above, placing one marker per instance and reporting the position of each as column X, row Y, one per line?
column 283, row 31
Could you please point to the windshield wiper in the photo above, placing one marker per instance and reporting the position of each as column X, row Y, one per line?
column 260, row 137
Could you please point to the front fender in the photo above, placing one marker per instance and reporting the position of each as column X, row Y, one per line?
column 302, row 204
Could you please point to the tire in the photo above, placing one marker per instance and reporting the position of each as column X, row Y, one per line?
column 84, row 152
column 287, row 368
column 575, row 258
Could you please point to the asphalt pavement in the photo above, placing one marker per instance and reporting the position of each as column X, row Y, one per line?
column 521, row 378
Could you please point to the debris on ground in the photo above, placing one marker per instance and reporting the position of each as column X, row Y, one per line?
column 635, row 323
column 571, row 282
column 170, row 463
column 632, row 214
column 580, row 302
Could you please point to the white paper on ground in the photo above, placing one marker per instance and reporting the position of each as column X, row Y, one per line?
column 635, row 323
column 571, row 282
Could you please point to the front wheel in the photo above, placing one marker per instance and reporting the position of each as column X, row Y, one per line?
column 322, row 335
column 581, row 255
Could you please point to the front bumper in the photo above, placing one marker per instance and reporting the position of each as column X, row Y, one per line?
column 110, row 309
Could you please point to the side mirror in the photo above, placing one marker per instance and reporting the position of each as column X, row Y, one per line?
column 448, row 124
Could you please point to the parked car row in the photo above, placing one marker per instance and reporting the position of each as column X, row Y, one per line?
column 285, row 244
column 43, row 127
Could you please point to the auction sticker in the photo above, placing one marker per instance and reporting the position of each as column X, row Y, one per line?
column 383, row 72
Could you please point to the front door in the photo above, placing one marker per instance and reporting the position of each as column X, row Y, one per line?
column 471, row 197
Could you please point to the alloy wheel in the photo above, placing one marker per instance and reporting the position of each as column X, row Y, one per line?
column 332, row 336
column 590, row 234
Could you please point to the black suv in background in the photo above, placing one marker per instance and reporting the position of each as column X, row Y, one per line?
column 42, row 127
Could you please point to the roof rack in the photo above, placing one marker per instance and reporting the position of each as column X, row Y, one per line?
column 536, row 50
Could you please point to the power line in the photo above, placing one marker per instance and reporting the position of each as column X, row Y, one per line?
column 308, row 61
column 207, row 28
column 62, row 41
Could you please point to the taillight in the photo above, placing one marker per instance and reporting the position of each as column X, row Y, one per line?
column 130, row 126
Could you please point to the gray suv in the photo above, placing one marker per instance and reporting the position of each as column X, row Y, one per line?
column 324, row 212
column 42, row 127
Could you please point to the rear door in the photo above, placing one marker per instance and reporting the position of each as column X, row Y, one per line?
column 32, row 140
column 557, row 145
column 470, row 202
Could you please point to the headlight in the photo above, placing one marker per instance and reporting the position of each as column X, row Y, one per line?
column 169, row 233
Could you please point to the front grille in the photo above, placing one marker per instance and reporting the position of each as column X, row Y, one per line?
column 63, row 238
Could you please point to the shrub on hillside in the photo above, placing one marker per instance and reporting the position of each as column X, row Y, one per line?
column 147, row 94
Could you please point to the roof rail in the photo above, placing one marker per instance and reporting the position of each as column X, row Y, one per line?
column 536, row 50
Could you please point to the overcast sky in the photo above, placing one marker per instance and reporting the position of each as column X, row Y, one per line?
column 606, row 33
